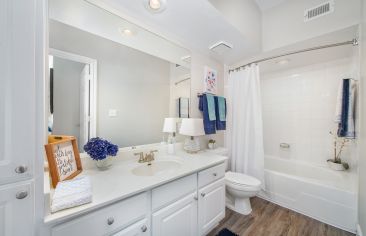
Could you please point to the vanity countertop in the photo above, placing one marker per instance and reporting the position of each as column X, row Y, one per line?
column 118, row 182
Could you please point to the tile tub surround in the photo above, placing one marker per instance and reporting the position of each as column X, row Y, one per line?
column 119, row 183
column 299, row 109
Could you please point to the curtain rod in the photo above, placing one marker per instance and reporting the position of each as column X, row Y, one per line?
column 354, row 42
column 176, row 83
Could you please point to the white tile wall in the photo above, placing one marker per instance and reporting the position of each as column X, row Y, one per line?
column 298, row 108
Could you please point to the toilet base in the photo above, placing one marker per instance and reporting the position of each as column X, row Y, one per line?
column 241, row 205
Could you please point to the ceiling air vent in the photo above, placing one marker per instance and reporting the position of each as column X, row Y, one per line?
column 221, row 47
column 318, row 11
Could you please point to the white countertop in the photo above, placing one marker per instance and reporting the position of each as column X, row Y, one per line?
column 118, row 182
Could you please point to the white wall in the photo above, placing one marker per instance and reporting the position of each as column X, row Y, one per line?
column 245, row 16
column 299, row 109
column 198, row 64
column 132, row 82
column 284, row 24
column 66, row 97
column 362, row 151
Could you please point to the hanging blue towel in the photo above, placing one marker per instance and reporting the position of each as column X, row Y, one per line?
column 211, row 107
column 342, row 127
column 220, row 105
column 209, row 126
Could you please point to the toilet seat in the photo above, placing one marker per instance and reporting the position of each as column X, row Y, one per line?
column 242, row 181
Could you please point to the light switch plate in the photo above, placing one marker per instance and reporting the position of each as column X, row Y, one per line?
column 112, row 112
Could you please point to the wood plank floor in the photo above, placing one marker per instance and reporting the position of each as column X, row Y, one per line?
column 268, row 219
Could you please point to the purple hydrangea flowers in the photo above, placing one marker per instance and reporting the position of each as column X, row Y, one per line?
column 99, row 149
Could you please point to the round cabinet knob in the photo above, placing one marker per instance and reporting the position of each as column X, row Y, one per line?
column 203, row 194
column 215, row 174
column 144, row 228
column 21, row 169
column 21, row 194
column 110, row 220
column 195, row 198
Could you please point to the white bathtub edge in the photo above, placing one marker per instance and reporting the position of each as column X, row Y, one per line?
column 359, row 231
column 316, row 218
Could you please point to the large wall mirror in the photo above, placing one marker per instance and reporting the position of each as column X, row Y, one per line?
column 112, row 79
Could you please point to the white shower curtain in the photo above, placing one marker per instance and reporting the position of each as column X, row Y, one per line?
column 244, row 137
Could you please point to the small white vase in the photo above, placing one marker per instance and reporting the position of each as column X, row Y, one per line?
column 104, row 164
column 336, row 166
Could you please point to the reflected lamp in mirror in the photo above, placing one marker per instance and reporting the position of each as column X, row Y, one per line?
column 192, row 127
column 170, row 126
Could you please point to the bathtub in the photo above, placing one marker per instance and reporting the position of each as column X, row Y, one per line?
column 318, row 192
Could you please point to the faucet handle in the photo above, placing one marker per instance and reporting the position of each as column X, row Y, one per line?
column 152, row 153
column 141, row 154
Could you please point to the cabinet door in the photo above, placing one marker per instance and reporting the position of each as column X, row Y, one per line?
column 16, row 210
column 140, row 228
column 211, row 205
column 17, row 89
column 178, row 218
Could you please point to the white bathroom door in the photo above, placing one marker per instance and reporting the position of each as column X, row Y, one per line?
column 84, row 106
column 17, row 89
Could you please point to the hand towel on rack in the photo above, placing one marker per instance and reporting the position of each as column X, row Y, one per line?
column 220, row 107
column 71, row 193
column 346, row 117
column 209, row 125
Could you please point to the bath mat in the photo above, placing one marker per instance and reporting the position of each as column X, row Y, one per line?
column 226, row 232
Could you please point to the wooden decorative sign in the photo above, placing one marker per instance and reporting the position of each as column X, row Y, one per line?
column 63, row 160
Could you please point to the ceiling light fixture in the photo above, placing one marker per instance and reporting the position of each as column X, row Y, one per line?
column 155, row 6
column 127, row 32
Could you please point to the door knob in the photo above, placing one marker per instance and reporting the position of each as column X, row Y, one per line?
column 21, row 169
column 144, row 228
column 21, row 194
column 110, row 220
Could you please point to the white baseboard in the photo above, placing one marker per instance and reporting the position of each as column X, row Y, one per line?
column 359, row 231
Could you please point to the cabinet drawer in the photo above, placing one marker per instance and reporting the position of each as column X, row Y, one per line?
column 210, row 175
column 170, row 192
column 106, row 220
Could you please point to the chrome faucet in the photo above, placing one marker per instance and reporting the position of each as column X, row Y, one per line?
column 148, row 157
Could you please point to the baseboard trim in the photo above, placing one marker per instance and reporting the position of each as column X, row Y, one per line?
column 359, row 231
column 303, row 213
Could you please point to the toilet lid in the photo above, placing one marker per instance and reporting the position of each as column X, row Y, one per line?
column 241, row 179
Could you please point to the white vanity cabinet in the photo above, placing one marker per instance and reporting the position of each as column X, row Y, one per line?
column 178, row 219
column 16, row 209
column 188, row 206
column 211, row 198
column 138, row 229
column 111, row 219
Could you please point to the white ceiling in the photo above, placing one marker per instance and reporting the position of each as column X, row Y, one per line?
column 195, row 24
column 268, row 4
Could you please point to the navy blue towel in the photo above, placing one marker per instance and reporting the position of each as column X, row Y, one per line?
column 220, row 124
column 226, row 232
column 209, row 126
column 343, row 125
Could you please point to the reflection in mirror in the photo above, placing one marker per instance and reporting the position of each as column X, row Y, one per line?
column 107, row 88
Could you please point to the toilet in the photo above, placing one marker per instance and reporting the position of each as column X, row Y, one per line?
column 239, row 188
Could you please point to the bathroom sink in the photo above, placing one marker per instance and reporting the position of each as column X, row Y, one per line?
column 156, row 167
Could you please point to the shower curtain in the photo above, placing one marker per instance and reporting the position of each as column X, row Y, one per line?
column 244, row 137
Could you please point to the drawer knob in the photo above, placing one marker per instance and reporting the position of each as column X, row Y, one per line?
column 203, row 194
column 215, row 174
column 144, row 228
column 21, row 169
column 21, row 194
column 110, row 220
column 195, row 198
